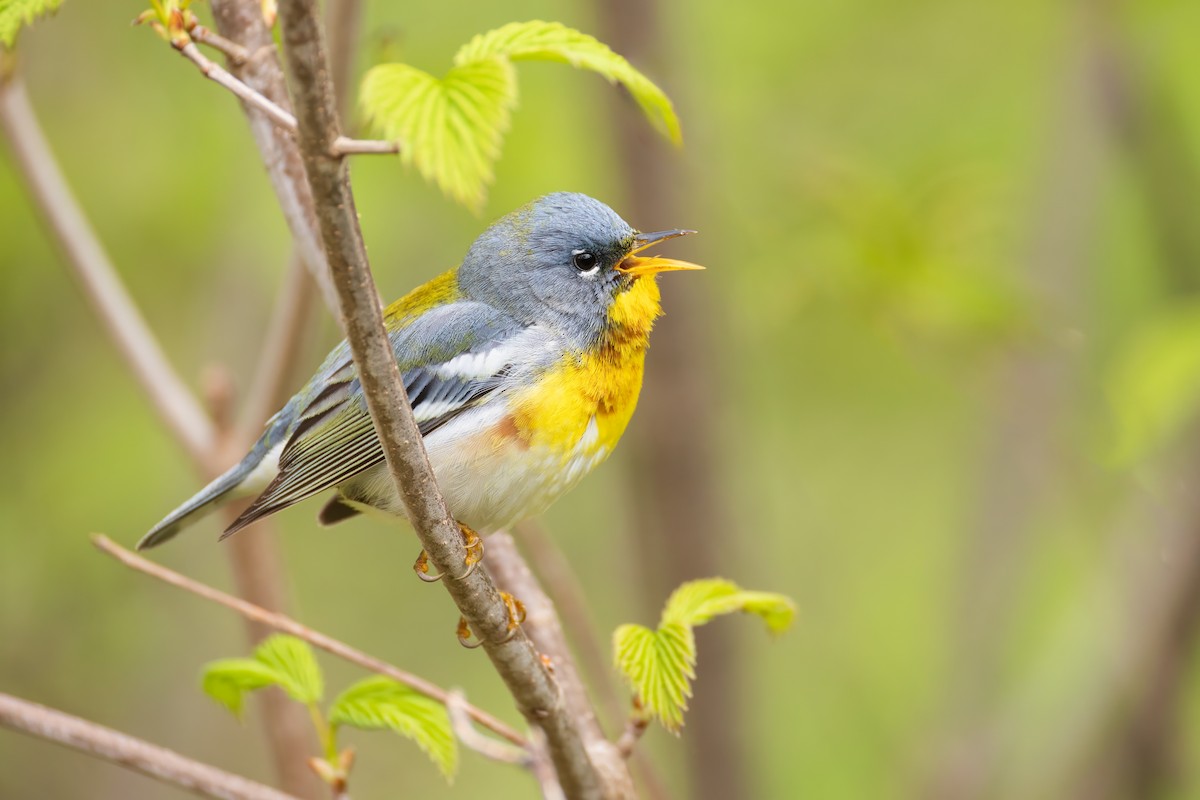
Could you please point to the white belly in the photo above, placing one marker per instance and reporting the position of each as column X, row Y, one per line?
column 488, row 482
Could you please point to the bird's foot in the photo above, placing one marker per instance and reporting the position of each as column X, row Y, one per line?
column 471, row 541
column 516, row 615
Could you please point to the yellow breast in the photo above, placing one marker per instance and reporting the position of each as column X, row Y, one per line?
column 602, row 383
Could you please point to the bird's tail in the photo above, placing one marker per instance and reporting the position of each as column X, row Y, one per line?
column 230, row 485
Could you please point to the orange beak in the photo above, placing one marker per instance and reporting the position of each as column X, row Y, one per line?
column 632, row 264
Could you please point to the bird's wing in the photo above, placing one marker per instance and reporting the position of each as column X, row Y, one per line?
column 450, row 358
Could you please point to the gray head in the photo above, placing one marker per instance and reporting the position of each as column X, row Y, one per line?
column 559, row 260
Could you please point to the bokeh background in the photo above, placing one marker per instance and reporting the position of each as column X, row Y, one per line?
column 936, row 386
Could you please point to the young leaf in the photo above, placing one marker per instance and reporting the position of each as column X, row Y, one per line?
column 696, row 602
column 381, row 703
column 553, row 41
column 661, row 664
column 1154, row 381
column 16, row 14
column 228, row 680
column 292, row 660
column 451, row 128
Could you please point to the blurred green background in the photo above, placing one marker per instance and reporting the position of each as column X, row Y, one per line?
column 952, row 251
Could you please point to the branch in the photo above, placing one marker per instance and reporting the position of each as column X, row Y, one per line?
column 341, row 145
column 282, row 622
column 635, row 728
column 514, row 657
column 541, row 622
column 234, row 52
column 96, row 275
column 126, row 751
column 563, row 588
column 459, row 712
column 241, row 21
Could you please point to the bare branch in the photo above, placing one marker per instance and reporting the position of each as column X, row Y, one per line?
column 97, row 277
column 233, row 51
column 541, row 623
column 486, row 746
column 514, row 657
column 126, row 751
column 635, row 728
column 562, row 585
column 282, row 622
column 241, row 21
column 221, row 77
column 280, row 116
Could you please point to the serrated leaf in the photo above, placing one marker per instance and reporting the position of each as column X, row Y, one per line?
column 227, row 681
column 1154, row 381
column 450, row 128
column 659, row 666
column 381, row 703
column 296, row 666
column 16, row 14
column 552, row 41
column 697, row 602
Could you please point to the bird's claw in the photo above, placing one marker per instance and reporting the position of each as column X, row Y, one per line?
column 421, row 567
column 474, row 546
column 516, row 615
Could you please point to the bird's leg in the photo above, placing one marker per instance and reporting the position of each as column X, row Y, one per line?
column 471, row 541
column 516, row 615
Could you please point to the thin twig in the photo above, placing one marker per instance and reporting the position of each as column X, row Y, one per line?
column 460, row 720
column 535, row 691
column 341, row 145
column 129, row 752
column 284, row 623
column 635, row 728
column 221, row 77
column 97, row 277
column 236, row 54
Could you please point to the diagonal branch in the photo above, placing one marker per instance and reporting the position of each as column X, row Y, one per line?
column 514, row 576
column 341, row 145
column 129, row 752
column 282, row 622
column 97, row 277
column 535, row 691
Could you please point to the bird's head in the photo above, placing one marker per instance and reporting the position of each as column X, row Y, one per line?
column 565, row 260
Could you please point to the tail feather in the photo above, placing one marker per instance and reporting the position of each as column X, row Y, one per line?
column 208, row 499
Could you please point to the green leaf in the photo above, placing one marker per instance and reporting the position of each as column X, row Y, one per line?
column 552, row 41
column 1154, row 382
column 661, row 664
column 697, row 602
column 378, row 703
column 16, row 14
column 229, row 680
column 293, row 662
column 451, row 128
column 282, row 661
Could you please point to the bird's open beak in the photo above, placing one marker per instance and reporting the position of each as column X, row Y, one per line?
column 633, row 264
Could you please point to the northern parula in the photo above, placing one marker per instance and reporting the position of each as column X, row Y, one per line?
column 523, row 366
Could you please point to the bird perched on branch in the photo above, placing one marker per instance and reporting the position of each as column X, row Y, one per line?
column 523, row 367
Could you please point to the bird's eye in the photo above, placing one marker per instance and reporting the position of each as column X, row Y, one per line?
column 584, row 261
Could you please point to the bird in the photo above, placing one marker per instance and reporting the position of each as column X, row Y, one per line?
column 523, row 366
